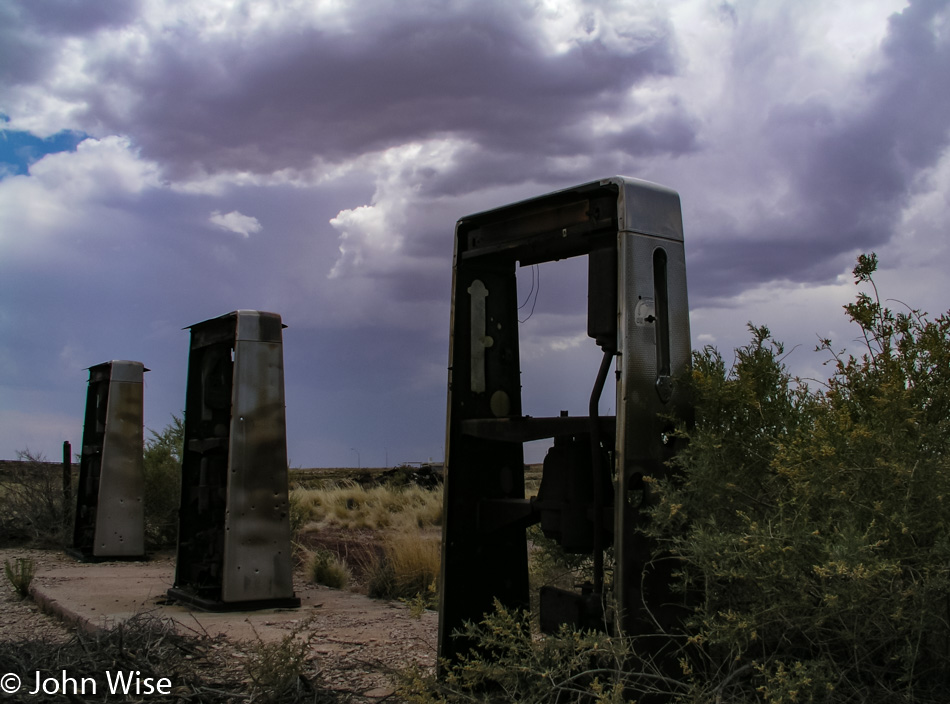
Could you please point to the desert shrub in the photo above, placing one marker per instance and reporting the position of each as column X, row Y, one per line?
column 812, row 527
column 31, row 502
column 512, row 664
column 162, row 460
column 326, row 568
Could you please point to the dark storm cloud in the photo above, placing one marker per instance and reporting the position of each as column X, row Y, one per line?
column 850, row 173
column 273, row 100
column 75, row 17
column 31, row 31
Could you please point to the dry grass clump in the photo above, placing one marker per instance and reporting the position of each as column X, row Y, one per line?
column 326, row 568
column 350, row 506
column 407, row 567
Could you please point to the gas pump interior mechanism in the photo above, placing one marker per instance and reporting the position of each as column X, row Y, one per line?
column 592, row 481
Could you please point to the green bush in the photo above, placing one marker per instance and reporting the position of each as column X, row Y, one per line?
column 162, row 456
column 812, row 526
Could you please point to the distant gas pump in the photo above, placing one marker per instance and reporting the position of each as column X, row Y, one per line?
column 592, row 486
column 110, row 520
column 234, row 548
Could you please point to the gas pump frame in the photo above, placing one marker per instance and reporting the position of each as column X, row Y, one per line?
column 632, row 233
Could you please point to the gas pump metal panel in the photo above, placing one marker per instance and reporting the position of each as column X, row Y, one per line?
column 654, row 351
column 257, row 561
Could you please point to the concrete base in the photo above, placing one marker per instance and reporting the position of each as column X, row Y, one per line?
column 188, row 598
column 78, row 554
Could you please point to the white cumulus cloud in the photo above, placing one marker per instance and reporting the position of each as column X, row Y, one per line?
column 236, row 222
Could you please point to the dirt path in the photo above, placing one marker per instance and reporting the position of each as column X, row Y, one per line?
column 356, row 641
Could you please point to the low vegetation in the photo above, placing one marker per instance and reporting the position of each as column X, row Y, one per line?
column 278, row 669
column 514, row 665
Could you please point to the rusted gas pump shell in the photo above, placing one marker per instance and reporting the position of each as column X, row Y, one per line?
column 109, row 522
column 234, row 549
column 632, row 232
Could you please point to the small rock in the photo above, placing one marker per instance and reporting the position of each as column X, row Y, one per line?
column 379, row 693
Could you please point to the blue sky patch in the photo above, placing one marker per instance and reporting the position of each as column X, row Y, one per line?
column 18, row 150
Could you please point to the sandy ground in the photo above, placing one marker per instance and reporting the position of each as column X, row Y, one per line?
column 356, row 641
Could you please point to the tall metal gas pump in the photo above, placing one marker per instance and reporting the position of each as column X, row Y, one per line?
column 234, row 548
column 592, row 486
column 110, row 519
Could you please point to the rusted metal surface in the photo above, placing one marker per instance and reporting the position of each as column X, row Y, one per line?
column 590, row 491
column 654, row 348
column 234, row 531
column 110, row 517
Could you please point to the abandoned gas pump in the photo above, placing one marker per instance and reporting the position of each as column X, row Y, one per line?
column 110, row 521
column 234, row 548
column 592, row 486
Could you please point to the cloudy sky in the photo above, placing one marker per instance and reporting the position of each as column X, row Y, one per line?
column 163, row 162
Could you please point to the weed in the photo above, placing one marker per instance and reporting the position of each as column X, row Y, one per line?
column 20, row 574
column 276, row 668
column 422, row 602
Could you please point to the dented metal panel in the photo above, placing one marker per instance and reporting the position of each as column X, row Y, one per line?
column 110, row 521
column 257, row 559
column 655, row 349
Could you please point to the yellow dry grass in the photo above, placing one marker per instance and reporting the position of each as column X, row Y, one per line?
column 350, row 506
